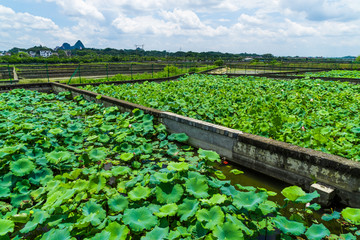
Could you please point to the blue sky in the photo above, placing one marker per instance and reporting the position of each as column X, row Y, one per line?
column 329, row 28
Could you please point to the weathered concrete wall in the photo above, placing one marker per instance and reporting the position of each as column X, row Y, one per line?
column 40, row 87
column 289, row 163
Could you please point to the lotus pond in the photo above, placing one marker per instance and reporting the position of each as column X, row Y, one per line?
column 72, row 169
column 314, row 114
column 334, row 74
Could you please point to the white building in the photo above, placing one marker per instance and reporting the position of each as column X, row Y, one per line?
column 45, row 53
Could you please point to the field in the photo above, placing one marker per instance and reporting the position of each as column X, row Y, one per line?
column 309, row 113
column 72, row 169
column 334, row 74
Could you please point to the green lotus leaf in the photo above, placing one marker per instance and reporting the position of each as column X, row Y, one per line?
column 314, row 206
column 197, row 187
column 118, row 203
column 228, row 231
column 198, row 230
column 292, row 193
column 125, row 147
column 355, row 130
column 216, row 199
column 220, row 175
column 138, row 113
column 73, row 174
column 147, row 148
column 167, row 210
column 80, row 185
column 268, row 207
column 104, row 138
column 249, row 200
column 351, row 215
column 212, row 217
column 236, row 171
column 164, row 177
column 4, row 192
column 168, row 193
column 55, row 157
column 6, row 226
column 97, row 154
column 96, row 183
column 103, row 235
column 348, row 236
column 117, row 231
column 58, row 234
column 37, row 218
column 329, row 217
column 27, row 126
column 5, row 207
column 139, row 193
column 289, row 227
column 40, row 175
column 106, row 128
column 93, row 213
column 240, row 224
column 172, row 151
column 18, row 199
column 120, row 170
column 74, row 127
column 216, row 183
column 173, row 235
column 180, row 137
column 178, row 166
column 22, row 167
column 209, row 155
column 308, row 197
column 317, row 232
column 157, row 233
column 56, row 131
column 126, row 156
column 92, row 138
column 187, row 209
column 139, row 219
column 133, row 181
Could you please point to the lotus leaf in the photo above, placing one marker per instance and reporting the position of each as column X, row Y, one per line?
column 168, row 193
column 75, row 127
column 211, row 218
column 317, row 232
column 22, row 167
column 240, row 224
column 209, row 155
column 6, row 226
column 167, row 210
column 308, row 197
column 125, row 147
column 229, row 190
column 4, row 192
column 55, row 157
column 117, row 231
column 268, row 207
column 104, row 138
column 157, row 233
column 40, row 176
column 347, row 236
column 180, row 137
column 138, row 113
column 147, row 148
column 236, row 171
column 178, row 166
column 139, row 193
column 197, row 187
column 228, row 231
column 126, row 156
column 164, row 177
column 329, row 217
column 96, row 183
column 292, row 193
column 139, row 219
column 216, row 199
column 103, row 235
column 56, row 131
column 58, row 234
column 220, row 175
column 38, row 217
column 97, row 154
column 120, row 170
column 249, row 200
column 187, row 209
column 351, row 215
column 106, row 128
column 93, row 213
column 118, row 203
column 198, row 230
column 289, row 227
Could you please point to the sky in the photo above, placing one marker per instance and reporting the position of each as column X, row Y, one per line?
column 328, row 28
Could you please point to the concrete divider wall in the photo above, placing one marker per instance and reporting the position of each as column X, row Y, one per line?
column 289, row 163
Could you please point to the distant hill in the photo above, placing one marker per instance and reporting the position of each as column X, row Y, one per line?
column 67, row 46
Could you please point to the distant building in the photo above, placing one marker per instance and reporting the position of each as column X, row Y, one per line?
column 45, row 53
column 32, row 54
